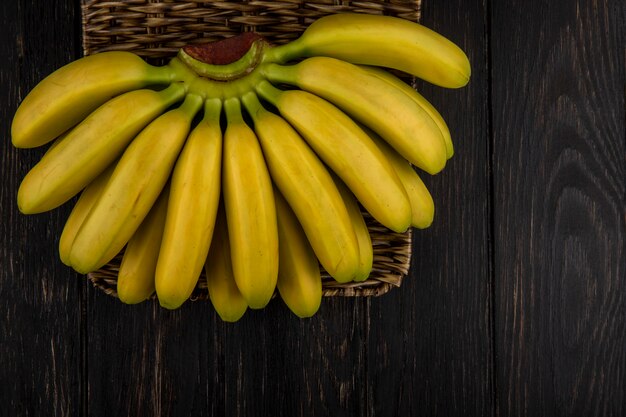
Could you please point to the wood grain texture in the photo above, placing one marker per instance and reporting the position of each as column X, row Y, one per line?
column 558, row 107
column 40, row 302
column 285, row 365
column 430, row 351
column 144, row 360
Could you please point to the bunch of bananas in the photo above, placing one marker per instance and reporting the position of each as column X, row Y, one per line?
column 254, row 166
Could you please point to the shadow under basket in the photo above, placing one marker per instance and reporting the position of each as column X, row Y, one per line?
column 157, row 30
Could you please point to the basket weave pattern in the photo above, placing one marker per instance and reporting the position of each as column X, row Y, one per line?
column 156, row 30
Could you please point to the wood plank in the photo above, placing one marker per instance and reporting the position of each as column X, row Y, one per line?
column 144, row 360
column 277, row 364
column 558, row 122
column 430, row 349
column 41, row 323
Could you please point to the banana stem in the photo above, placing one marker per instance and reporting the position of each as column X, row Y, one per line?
column 212, row 110
column 191, row 105
column 287, row 74
column 269, row 92
column 174, row 93
column 159, row 75
column 232, row 106
column 253, row 105
column 284, row 53
column 181, row 72
column 208, row 88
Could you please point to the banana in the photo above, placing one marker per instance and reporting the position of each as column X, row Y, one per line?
column 135, row 279
column 420, row 100
column 373, row 102
column 308, row 187
column 223, row 292
column 348, row 151
column 80, row 211
column 422, row 205
column 192, row 207
column 250, row 210
column 260, row 209
column 299, row 279
column 135, row 184
column 366, row 250
column 66, row 96
column 381, row 41
column 75, row 160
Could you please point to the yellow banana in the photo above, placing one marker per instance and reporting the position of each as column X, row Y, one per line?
column 420, row 100
column 90, row 147
column 135, row 184
column 135, row 279
column 223, row 292
column 366, row 250
column 422, row 205
column 192, row 207
column 308, row 187
column 70, row 93
column 250, row 210
column 299, row 279
column 349, row 152
column 372, row 101
column 381, row 41
column 80, row 211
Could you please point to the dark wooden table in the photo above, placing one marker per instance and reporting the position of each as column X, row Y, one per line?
column 516, row 300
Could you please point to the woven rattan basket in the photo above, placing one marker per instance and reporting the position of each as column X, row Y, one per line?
column 156, row 30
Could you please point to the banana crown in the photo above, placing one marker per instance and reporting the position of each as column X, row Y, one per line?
column 298, row 142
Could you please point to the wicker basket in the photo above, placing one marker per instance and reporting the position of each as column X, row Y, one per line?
column 156, row 30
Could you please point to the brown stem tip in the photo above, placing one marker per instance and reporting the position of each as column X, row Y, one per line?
column 225, row 51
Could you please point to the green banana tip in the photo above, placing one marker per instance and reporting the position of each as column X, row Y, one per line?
column 212, row 108
column 282, row 73
column 192, row 104
column 269, row 92
column 232, row 108
column 252, row 104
